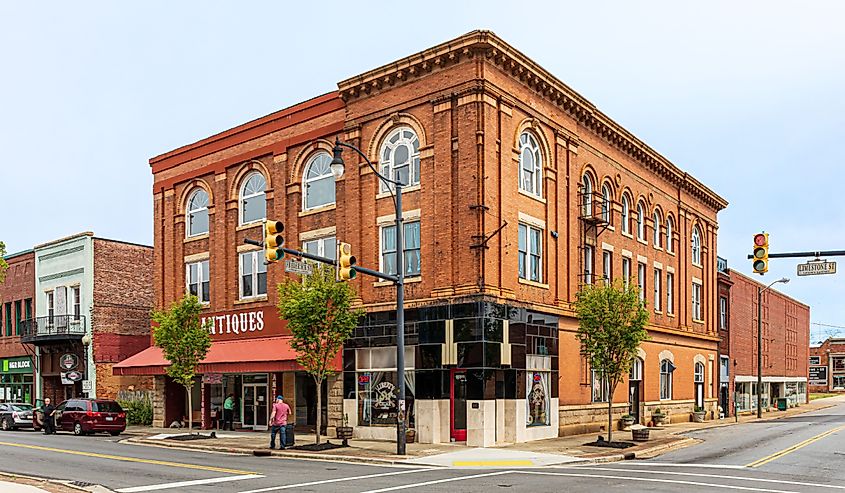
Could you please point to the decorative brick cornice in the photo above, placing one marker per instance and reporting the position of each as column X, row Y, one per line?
column 496, row 51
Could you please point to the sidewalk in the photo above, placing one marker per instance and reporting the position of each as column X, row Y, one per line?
column 536, row 453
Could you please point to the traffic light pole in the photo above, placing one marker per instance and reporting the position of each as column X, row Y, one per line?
column 828, row 253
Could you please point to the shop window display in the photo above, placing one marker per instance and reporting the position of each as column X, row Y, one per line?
column 538, row 400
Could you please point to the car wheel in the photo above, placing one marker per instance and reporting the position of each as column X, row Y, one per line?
column 77, row 429
column 5, row 424
column 114, row 433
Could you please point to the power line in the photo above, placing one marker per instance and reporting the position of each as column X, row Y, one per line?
column 827, row 325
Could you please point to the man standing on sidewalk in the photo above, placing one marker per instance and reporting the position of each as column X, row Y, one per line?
column 279, row 422
column 49, row 418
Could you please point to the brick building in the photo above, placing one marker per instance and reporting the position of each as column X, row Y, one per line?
column 827, row 366
column 93, row 301
column 519, row 191
column 724, row 307
column 786, row 339
column 16, row 305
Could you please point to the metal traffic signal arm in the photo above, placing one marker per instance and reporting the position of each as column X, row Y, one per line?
column 326, row 260
column 828, row 253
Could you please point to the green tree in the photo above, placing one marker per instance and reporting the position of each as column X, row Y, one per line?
column 3, row 264
column 611, row 326
column 184, row 341
column 321, row 318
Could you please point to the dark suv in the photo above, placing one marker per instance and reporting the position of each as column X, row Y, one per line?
column 84, row 416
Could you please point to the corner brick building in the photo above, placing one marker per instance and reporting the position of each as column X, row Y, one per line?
column 17, row 372
column 95, row 287
column 519, row 192
column 786, row 340
column 827, row 366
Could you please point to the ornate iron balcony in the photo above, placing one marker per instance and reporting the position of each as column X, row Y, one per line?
column 43, row 330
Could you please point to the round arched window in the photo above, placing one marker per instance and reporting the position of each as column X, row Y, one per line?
column 318, row 182
column 197, row 213
column 399, row 158
column 253, row 202
column 530, row 164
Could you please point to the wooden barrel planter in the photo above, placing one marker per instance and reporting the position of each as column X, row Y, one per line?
column 639, row 433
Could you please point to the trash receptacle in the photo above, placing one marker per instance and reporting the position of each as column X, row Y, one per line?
column 782, row 404
column 289, row 438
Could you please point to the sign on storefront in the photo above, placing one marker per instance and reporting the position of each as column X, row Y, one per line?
column 818, row 375
column 69, row 361
column 71, row 377
column 86, row 386
column 242, row 324
column 212, row 378
column 21, row 364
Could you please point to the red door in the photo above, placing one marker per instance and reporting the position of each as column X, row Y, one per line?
column 458, row 394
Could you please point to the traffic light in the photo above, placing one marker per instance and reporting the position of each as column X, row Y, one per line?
column 273, row 241
column 760, row 262
column 346, row 262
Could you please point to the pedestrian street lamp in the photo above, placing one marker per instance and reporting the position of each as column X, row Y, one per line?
column 760, row 292
column 395, row 189
column 86, row 341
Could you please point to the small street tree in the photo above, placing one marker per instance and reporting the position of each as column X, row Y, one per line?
column 184, row 341
column 321, row 318
column 611, row 326
column 3, row 264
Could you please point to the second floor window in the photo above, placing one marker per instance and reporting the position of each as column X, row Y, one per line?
column 51, row 306
column 641, row 279
column 658, row 294
column 626, row 271
column 588, row 264
column 253, row 200
column 198, row 213
column 696, row 301
column 670, row 287
column 723, row 312
column 253, row 274
column 198, row 280
column 530, row 164
column 318, row 182
column 76, row 299
column 411, row 239
column 607, row 266
column 400, row 157
column 530, row 253
column 324, row 247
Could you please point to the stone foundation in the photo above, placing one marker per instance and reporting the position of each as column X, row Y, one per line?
column 589, row 418
column 109, row 384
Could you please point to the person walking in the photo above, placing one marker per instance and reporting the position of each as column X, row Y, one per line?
column 279, row 422
column 229, row 412
column 49, row 418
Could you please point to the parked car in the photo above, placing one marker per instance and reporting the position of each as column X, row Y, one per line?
column 85, row 416
column 14, row 415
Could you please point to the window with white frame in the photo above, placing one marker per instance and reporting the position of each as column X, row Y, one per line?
column 626, row 271
column 658, row 293
column 607, row 266
column 253, row 200
column 666, row 369
column 253, row 275
column 640, row 222
column 699, row 373
column 636, row 372
column 530, row 253
column 324, row 247
column 76, row 299
column 670, row 287
column 530, row 164
column 197, row 213
column 626, row 214
column 658, row 238
column 723, row 312
column 641, row 279
column 601, row 387
column 399, row 159
column 198, row 280
column 318, row 182
column 588, row 264
column 606, row 203
column 696, row 301
column 669, row 226
column 411, row 239
column 587, row 196
column 696, row 246
column 51, row 306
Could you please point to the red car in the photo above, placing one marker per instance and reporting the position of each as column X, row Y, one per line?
column 84, row 416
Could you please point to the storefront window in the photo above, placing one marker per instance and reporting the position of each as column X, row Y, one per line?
column 838, row 363
column 538, row 401
column 378, row 398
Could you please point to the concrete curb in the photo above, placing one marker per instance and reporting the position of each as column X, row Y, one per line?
column 58, row 482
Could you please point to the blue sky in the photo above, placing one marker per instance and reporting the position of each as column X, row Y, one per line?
column 746, row 96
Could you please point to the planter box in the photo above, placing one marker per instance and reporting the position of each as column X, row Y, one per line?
column 344, row 432
column 639, row 434
column 659, row 419
column 698, row 417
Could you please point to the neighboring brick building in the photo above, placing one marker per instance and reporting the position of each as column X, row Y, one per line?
column 786, row 340
column 725, row 366
column 16, row 305
column 89, row 289
column 519, row 191
column 827, row 366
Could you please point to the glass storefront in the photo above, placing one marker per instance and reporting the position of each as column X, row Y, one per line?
column 16, row 379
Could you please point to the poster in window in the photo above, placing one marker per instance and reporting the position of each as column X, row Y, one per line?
column 538, row 401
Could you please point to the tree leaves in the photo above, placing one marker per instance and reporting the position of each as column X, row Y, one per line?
column 3, row 264
column 183, row 340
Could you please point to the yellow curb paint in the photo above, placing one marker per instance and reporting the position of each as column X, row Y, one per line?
column 797, row 446
column 492, row 463
column 128, row 459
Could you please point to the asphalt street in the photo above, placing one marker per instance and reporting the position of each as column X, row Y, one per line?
column 800, row 454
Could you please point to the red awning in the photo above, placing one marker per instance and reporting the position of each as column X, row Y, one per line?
column 269, row 354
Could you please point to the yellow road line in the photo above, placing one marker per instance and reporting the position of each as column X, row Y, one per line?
column 128, row 459
column 797, row 446
column 491, row 463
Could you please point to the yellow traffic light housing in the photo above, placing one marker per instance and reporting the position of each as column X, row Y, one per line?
column 760, row 262
column 273, row 241
column 346, row 262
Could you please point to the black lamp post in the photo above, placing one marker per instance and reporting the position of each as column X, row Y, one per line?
column 760, row 292
column 337, row 169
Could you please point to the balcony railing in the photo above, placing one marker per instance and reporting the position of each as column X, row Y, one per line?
column 721, row 265
column 56, row 328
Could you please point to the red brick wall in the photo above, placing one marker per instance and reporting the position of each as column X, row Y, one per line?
column 18, row 286
column 835, row 346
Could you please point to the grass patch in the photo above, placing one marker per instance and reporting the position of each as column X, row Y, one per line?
column 821, row 396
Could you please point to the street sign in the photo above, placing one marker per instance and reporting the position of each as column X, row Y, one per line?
column 818, row 375
column 86, row 386
column 814, row 268
column 299, row 267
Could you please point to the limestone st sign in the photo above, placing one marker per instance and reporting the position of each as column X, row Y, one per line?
column 815, row 268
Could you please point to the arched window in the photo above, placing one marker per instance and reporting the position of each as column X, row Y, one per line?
column 253, row 202
column 318, row 182
column 626, row 214
column 658, row 239
column 666, row 369
column 197, row 213
column 640, row 222
column 587, row 195
column 669, row 225
column 696, row 245
column 699, row 372
column 605, row 203
column 636, row 372
column 530, row 164
column 399, row 159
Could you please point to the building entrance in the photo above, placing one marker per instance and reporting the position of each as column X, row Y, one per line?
column 458, row 396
